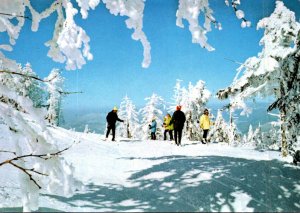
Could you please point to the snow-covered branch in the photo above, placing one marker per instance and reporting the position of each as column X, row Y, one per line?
column 70, row 43
column 15, row 15
column 27, row 76
column 27, row 171
column 239, row 13
column 274, row 72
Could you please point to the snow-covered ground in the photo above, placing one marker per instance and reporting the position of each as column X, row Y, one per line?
column 130, row 175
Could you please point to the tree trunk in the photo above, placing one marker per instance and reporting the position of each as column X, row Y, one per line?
column 284, row 150
column 189, row 125
column 128, row 131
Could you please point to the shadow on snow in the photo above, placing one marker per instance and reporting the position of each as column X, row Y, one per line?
column 209, row 183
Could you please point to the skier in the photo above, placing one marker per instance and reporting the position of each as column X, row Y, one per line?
column 205, row 124
column 168, row 127
column 111, row 119
column 152, row 126
column 178, row 120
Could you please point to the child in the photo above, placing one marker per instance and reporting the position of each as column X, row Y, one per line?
column 152, row 127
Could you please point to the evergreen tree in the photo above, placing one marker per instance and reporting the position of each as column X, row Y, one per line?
column 177, row 96
column 127, row 111
column 28, row 132
column 220, row 129
column 153, row 109
column 193, row 104
column 32, row 87
column 234, row 136
column 275, row 71
column 54, row 88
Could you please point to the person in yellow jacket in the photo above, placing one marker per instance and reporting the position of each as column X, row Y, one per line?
column 205, row 124
column 168, row 127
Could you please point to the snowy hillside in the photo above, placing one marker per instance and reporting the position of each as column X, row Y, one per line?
column 159, row 176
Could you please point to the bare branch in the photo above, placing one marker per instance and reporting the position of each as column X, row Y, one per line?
column 69, row 93
column 8, row 152
column 240, row 63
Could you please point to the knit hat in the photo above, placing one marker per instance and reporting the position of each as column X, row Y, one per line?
column 115, row 108
column 178, row 107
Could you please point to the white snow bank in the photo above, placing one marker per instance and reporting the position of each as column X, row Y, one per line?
column 130, row 175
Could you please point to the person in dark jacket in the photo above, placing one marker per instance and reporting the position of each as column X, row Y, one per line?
column 178, row 120
column 111, row 119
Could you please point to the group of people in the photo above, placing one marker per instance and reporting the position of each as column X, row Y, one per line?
column 176, row 123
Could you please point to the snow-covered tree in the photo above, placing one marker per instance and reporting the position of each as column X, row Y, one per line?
column 274, row 72
column 22, row 79
column 263, row 139
column 33, row 88
column 233, row 133
column 54, row 88
column 219, row 131
column 28, row 136
column 152, row 109
column 193, row 104
column 177, row 96
column 252, row 137
column 131, row 127
column 86, row 129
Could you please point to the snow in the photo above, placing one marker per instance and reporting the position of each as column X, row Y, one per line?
column 135, row 175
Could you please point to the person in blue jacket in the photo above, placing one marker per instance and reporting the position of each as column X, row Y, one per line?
column 152, row 127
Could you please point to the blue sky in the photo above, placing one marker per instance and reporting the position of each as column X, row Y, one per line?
column 116, row 68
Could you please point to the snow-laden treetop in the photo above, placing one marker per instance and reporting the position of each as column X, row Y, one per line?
column 70, row 43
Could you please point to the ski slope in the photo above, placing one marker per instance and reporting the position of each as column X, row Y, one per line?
column 129, row 175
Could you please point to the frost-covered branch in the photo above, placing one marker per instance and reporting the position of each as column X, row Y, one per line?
column 27, row 171
column 15, row 15
column 27, row 76
column 274, row 72
column 42, row 156
column 70, row 43
column 134, row 10
column 239, row 13
column 190, row 10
